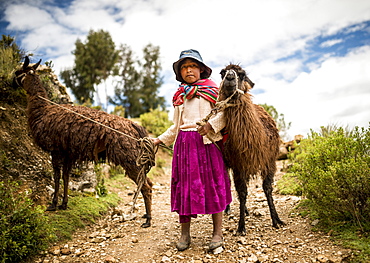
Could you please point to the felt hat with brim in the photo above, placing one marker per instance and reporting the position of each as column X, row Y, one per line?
column 193, row 54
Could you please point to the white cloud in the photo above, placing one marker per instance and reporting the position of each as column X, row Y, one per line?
column 20, row 17
column 330, row 43
column 252, row 33
column 337, row 92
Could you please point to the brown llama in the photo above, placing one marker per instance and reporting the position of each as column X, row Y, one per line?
column 252, row 145
column 71, row 138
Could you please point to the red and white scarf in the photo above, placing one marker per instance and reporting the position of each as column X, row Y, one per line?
column 204, row 88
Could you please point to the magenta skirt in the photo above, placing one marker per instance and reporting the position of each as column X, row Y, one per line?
column 200, row 183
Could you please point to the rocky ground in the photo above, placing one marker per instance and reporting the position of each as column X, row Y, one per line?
column 118, row 238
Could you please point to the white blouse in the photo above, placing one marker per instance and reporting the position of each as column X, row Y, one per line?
column 187, row 115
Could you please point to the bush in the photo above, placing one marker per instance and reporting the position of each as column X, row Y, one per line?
column 10, row 56
column 24, row 229
column 155, row 121
column 334, row 172
column 119, row 110
column 289, row 185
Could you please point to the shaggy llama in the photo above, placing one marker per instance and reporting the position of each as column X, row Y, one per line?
column 252, row 145
column 71, row 138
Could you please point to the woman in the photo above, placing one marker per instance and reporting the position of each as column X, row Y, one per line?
column 200, row 183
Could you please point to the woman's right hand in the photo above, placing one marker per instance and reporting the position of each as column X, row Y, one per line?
column 155, row 141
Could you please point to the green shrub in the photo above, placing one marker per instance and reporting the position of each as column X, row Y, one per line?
column 155, row 121
column 100, row 188
column 289, row 184
column 10, row 56
column 24, row 229
column 334, row 170
column 119, row 111
column 116, row 170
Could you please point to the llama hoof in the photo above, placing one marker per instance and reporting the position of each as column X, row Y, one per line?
column 241, row 232
column 278, row 224
column 51, row 208
column 145, row 225
column 62, row 207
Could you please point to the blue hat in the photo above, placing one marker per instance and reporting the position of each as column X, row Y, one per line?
column 193, row 54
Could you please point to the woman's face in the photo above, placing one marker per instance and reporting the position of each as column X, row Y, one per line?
column 190, row 71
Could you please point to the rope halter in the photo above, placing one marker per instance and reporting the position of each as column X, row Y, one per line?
column 237, row 84
column 222, row 105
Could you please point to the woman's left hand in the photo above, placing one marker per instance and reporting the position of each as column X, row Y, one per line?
column 203, row 130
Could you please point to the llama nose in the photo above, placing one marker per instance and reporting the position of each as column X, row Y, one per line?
column 230, row 76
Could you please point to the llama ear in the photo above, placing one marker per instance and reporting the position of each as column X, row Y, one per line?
column 26, row 62
column 34, row 67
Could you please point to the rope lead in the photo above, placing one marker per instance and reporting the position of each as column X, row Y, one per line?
column 145, row 159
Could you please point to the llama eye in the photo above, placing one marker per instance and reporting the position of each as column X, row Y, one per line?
column 242, row 76
column 223, row 73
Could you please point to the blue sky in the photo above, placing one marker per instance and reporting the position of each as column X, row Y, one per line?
column 338, row 44
column 309, row 59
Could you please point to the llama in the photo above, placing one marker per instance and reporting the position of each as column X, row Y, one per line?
column 252, row 145
column 65, row 132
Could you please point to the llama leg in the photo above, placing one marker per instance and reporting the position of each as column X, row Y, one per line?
column 56, row 167
column 241, row 188
column 66, row 170
column 267, row 188
column 146, row 191
column 227, row 210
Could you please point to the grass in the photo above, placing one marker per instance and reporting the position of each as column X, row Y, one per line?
column 82, row 211
column 118, row 181
column 358, row 242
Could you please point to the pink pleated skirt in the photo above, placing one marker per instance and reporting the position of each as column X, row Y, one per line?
column 200, row 183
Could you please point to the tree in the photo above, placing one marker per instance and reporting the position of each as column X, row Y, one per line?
column 76, row 82
column 282, row 126
column 151, row 79
column 127, row 89
column 94, row 62
column 138, row 88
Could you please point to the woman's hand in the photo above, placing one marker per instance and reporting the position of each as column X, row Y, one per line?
column 203, row 130
column 155, row 141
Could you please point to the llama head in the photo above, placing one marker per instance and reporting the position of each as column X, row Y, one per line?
column 23, row 72
column 235, row 82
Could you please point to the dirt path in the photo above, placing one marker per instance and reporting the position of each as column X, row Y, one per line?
column 113, row 241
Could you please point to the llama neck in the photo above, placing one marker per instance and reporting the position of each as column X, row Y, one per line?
column 35, row 90
column 246, row 139
column 36, row 106
column 243, row 120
